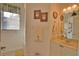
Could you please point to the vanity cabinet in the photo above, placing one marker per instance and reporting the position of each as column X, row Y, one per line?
column 55, row 49
column 69, row 51
column 60, row 50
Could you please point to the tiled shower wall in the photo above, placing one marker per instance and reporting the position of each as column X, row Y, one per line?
column 9, row 37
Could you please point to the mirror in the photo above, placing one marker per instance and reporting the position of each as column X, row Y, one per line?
column 71, row 21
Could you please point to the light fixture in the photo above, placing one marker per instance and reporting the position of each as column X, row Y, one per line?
column 64, row 10
column 69, row 8
column 74, row 6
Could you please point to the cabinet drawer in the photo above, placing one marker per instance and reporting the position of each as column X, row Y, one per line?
column 56, row 49
column 69, row 51
column 60, row 50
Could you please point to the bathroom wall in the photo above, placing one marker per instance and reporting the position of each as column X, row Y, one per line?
column 45, row 28
column 13, row 39
column 33, row 26
column 56, row 30
column 59, row 25
column 61, row 7
column 75, row 22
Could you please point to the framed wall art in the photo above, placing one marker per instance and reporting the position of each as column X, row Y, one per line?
column 44, row 17
column 37, row 14
column 55, row 14
column 61, row 17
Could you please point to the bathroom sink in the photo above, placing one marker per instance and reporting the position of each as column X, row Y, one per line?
column 71, row 43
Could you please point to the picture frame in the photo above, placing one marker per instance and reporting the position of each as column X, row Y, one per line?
column 37, row 14
column 44, row 17
column 61, row 17
column 55, row 14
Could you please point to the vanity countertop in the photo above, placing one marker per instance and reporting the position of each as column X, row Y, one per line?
column 71, row 43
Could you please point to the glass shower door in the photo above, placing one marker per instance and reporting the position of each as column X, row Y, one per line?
column 11, row 37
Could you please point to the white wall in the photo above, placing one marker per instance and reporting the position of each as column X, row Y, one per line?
column 34, row 26
column 13, row 40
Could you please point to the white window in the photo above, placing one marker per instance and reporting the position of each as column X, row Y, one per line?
column 10, row 18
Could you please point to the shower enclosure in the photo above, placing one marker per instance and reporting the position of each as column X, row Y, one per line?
column 12, row 29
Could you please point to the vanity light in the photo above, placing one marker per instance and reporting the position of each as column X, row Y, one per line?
column 69, row 8
column 64, row 10
column 74, row 6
